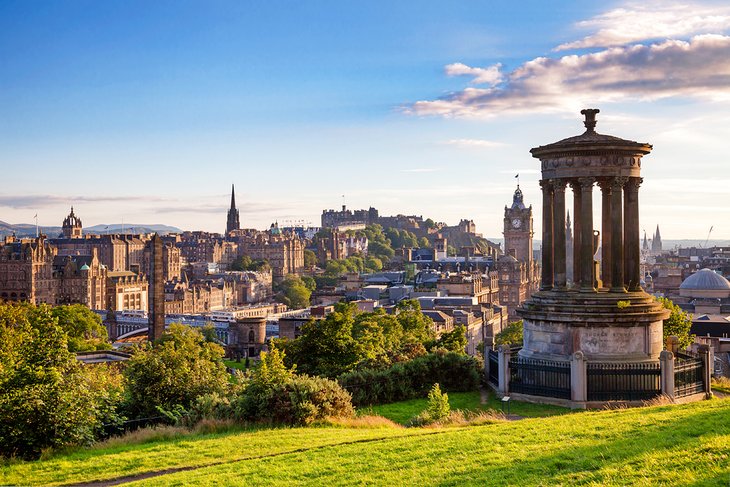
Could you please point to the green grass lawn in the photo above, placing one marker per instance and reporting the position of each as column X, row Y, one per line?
column 237, row 365
column 667, row 445
column 401, row 412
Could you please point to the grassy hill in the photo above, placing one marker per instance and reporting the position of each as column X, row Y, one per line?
column 668, row 445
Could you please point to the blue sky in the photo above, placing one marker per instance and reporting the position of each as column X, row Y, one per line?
column 147, row 111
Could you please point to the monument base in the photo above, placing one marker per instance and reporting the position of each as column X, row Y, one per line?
column 605, row 326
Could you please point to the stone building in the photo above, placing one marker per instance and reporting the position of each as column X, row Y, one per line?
column 247, row 338
column 284, row 251
column 519, row 273
column 346, row 218
column 26, row 270
column 80, row 279
column 126, row 291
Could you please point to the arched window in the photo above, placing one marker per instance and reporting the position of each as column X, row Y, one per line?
column 251, row 336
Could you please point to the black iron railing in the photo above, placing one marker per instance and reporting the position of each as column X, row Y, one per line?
column 540, row 377
column 689, row 377
column 623, row 381
column 493, row 357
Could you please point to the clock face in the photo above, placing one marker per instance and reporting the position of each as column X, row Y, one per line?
column 516, row 223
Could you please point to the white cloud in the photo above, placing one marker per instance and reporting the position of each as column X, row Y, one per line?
column 637, row 22
column 474, row 143
column 491, row 75
column 698, row 68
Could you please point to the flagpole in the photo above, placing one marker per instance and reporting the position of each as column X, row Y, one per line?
column 36, row 225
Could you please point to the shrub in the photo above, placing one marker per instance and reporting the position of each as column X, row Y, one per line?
column 512, row 334
column 407, row 380
column 181, row 367
column 438, row 404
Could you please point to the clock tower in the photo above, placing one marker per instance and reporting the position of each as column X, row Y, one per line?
column 518, row 229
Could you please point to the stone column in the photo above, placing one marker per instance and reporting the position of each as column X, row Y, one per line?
column 666, row 362
column 632, row 276
column 578, row 377
column 503, row 360
column 559, row 280
column 586, row 234
column 546, row 283
column 576, row 232
column 617, row 233
column 606, row 263
column 705, row 355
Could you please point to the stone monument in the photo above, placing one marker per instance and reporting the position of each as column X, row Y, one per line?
column 605, row 314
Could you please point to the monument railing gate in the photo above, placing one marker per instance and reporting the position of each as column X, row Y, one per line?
column 493, row 358
column 535, row 377
column 623, row 381
column 689, row 374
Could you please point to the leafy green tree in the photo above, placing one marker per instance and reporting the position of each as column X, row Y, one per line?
column 373, row 264
column 417, row 327
column 423, row 243
column 678, row 324
column 83, row 328
column 181, row 366
column 454, row 340
column 294, row 292
column 245, row 263
column 271, row 370
column 47, row 398
column 510, row 335
column 326, row 347
column 309, row 282
column 335, row 268
column 310, row 258
column 429, row 223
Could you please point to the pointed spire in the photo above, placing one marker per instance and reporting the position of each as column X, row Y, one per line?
column 233, row 197
column 657, row 235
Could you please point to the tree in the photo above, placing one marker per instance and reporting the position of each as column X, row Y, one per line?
column 310, row 258
column 678, row 324
column 423, row 243
column 510, row 335
column 429, row 223
column 47, row 398
column 180, row 366
column 83, row 328
column 454, row 340
column 373, row 264
column 438, row 404
column 309, row 282
column 294, row 292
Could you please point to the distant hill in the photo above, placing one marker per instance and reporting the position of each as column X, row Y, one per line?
column 29, row 230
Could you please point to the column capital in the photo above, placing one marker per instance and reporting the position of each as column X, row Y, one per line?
column 546, row 184
column 559, row 184
column 605, row 184
column 634, row 183
column 586, row 182
column 618, row 182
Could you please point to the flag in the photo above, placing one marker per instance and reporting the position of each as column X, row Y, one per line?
column 517, row 175
column 35, row 216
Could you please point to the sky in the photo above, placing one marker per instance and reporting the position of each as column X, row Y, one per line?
column 147, row 112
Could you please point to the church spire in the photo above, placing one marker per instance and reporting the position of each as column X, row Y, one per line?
column 232, row 223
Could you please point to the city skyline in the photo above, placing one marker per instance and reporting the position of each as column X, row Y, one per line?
column 412, row 109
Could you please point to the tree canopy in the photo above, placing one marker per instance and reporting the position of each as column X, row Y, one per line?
column 47, row 398
column 181, row 366
column 83, row 328
column 678, row 324
column 295, row 292
column 347, row 339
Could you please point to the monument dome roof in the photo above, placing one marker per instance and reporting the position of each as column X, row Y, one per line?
column 705, row 279
column 591, row 141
